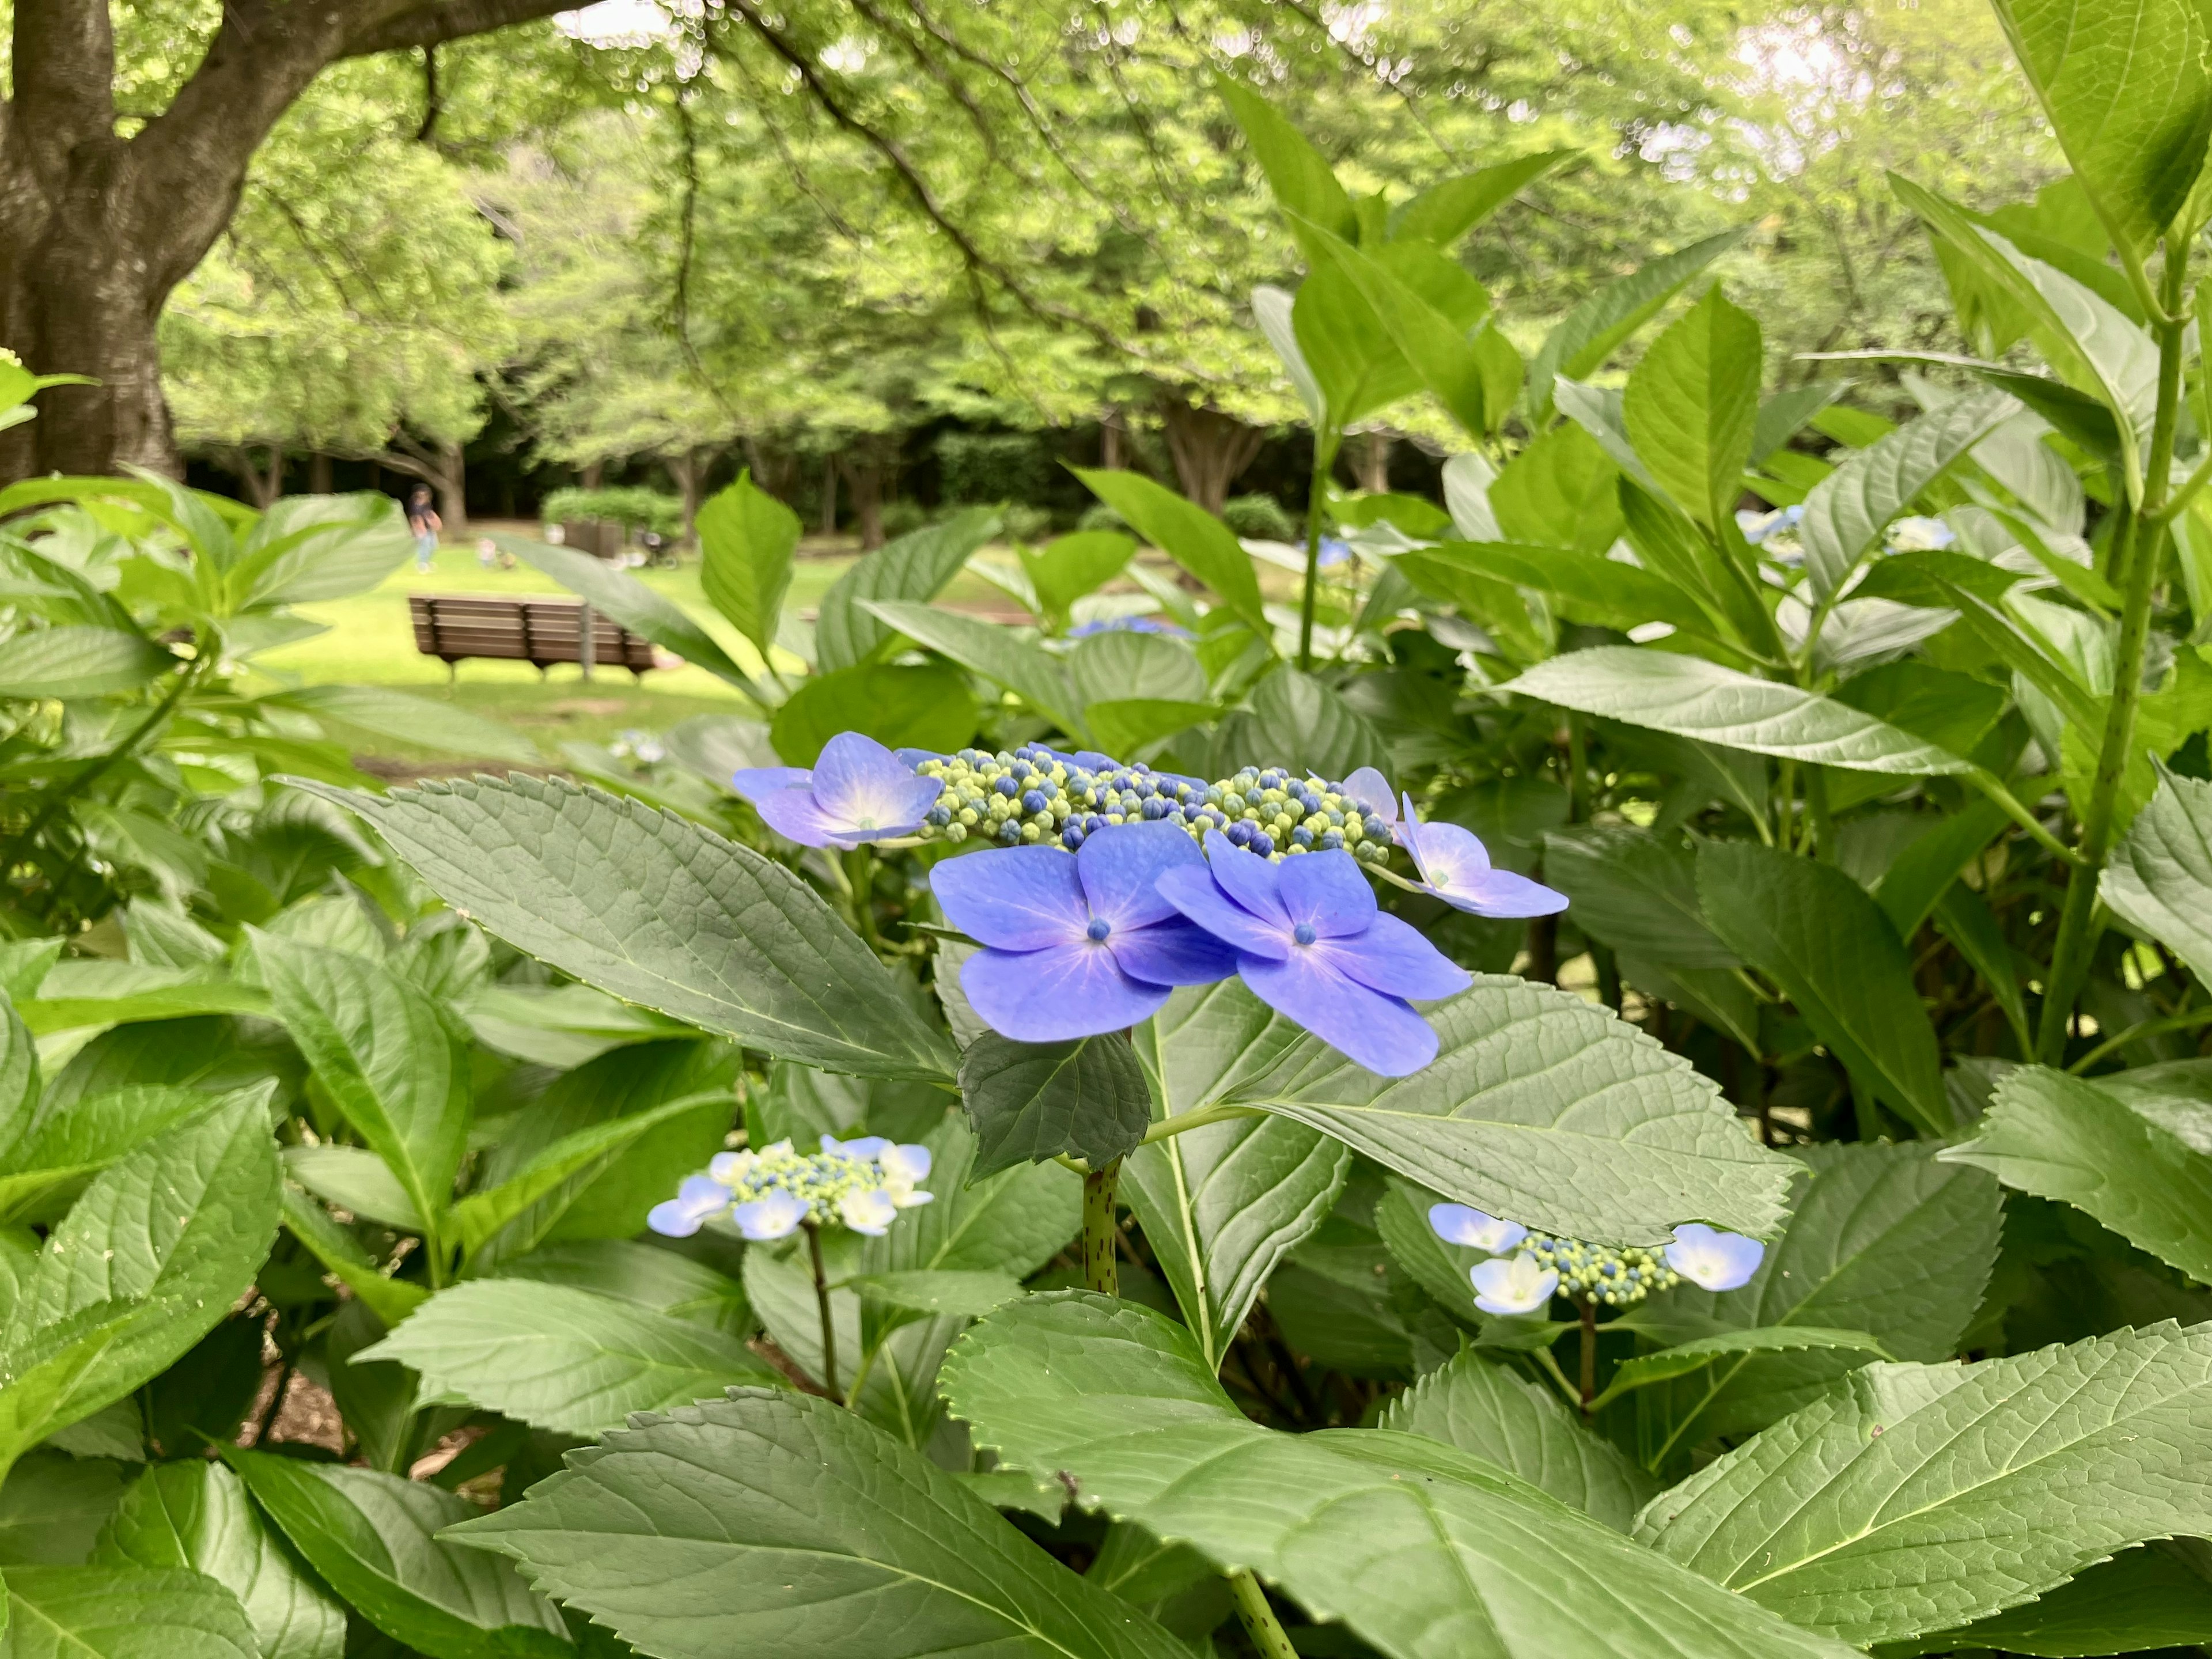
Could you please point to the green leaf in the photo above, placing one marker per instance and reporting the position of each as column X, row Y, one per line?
column 52, row 1506
column 1486, row 1410
column 122, row 1613
column 1541, row 1108
column 642, row 1275
column 158, row 1249
column 630, row 604
column 1637, row 892
column 1305, row 725
column 1303, row 185
column 2158, row 1595
column 2160, row 877
column 1069, row 568
column 78, row 662
column 961, row 1295
column 1820, row 936
column 1444, row 212
column 307, row 548
column 997, row 653
column 78, row 1138
column 1222, row 1205
column 1123, row 726
column 1691, row 403
column 1987, row 1484
column 1030, row 1102
column 388, row 1062
column 926, row 705
column 1698, row 1352
column 654, row 910
column 196, row 1516
column 1419, row 1548
column 2127, row 89
column 1465, row 372
column 391, row 1299
column 1113, row 665
column 374, row 1538
column 768, row 1521
column 1355, row 366
column 1849, row 509
column 1697, row 699
column 420, row 722
column 1585, row 587
column 746, row 538
column 1014, row 1221
column 358, row 1181
column 2136, row 1162
column 1189, row 535
column 848, row 630
column 557, row 1358
column 1579, row 342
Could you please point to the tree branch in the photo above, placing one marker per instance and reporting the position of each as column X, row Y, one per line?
column 402, row 26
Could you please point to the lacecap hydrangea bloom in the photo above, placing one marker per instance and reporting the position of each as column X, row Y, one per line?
column 1543, row 1266
column 857, row 791
column 861, row 1184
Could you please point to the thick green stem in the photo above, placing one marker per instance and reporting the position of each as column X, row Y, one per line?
column 1816, row 814
column 1259, row 1619
column 1325, row 446
column 2078, row 927
column 822, row 1307
column 1101, row 1270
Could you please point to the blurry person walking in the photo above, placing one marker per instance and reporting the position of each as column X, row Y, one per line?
column 424, row 524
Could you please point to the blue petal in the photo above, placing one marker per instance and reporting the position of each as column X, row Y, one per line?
column 1171, row 953
column 1326, row 890
column 1372, row 791
column 754, row 782
column 1119, row 866
column 1249, row 880
column 1379, row 1032
column 1714, row 1260
column 672, row 1219
column 1052, row 995
column 1195, row 893
column 1502, row 893
column 1391, row 956
column 796, row 815
column 1462, row 1223
column 1012, row 898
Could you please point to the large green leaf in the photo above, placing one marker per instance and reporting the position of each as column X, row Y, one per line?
column 746, row 538
column 1453, row 365
column 900, row 706
column 629, row 603
column 997, row 653
column 1601, row 323
column 1637, row 892
column 2137, row 1163
column 1847, row 510
column 379, row 1047
column 2159, row 1596
column 53, row 1502
column 1820, row 936
column 307, row 548
column 1542, row 1108
column 419, row 722
column 1985, row 1486
column 2160, row 877
column 2128, row 92
column 1585, row 587
column 1034, row 1101
column 122, row 1613
column 1125, row 666
column 20, row 1080
column 1015, row 1220
column 915, row 566
column 78, row 662
column 658, row 911
column 767, row 1522
column 1691, row 403
column 156, row 1251
column 1301, row 180
column 1882, row 1239
column 1491, row 1413
column 1421, row 1548
column 1699, row 699
column 1305, row 725
column 1220, row 1205
column 1444, row 212
column 195, row 1515
column 81, row 1138
column 374, row 1539
column 1187, row 533
column 558, row 1358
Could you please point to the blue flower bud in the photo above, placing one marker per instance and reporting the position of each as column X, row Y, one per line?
column 1375, row 827
column 1302, row 837
column 1240, row 833
column 1007, row 787
column 1262, row 843
column 1193, row 812
column 1010, row 832
column 1155, row 809
column 1071, row 837
column 1331, row 840
column 1035, row 801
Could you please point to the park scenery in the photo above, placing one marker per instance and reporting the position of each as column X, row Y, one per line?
column 1105, row 828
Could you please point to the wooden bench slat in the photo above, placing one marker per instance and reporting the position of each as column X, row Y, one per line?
column 540, row 632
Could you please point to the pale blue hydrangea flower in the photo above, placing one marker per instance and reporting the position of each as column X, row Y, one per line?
column 697, row 1200
column 1714, row 1260
column 862, row 1184
column 1513, row 1285
column 1455, row 866
column 1458, row 1223
column 776, row 1215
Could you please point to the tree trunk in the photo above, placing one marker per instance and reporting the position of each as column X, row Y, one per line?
column 1111, row 434
column 1375, row 464
column 1210, row 449
column 865, row 479
column 829, row 494
column 319, row 474
column 589, row 475
column 687, row 467
column 443, row 469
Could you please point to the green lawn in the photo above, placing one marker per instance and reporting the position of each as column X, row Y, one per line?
column 371, row 641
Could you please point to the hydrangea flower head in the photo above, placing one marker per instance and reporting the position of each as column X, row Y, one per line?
column 1458, row 1223
column 857, row 791
column 1074, row 947
column 697, row 1200
column 1714, row 1260
column 1512, row 1284
column 1455, row 866
column 1128, row 625
column 770, row 1193
column 1596, row 1272
column 1311, row 943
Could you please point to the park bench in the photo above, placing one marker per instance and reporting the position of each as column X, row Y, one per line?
column 540, row 632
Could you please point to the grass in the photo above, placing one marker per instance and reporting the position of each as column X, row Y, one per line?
column 369, row 640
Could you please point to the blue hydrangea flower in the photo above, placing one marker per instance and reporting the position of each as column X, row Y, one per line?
column 1459, row 1223
column 1334, row 551
column 1077, row 947
column 1128, row 625
column 773, row 1215
column 857, row 791
column 696, row 1201
column 1455, row 866
column 1372, row 791
column 1512, row 1285
column 1714, row 1260
column 1311, row 944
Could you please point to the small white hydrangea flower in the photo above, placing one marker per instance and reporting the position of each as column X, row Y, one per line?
column 1513, row 1285
column 862, row 1184
column 871, row 1212
column 1714, row 1260
column 775, row 1216
column 1459, row 1223
column 695, row 1200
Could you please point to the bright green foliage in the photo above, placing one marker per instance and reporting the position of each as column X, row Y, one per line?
column 1691, row 403
column 745, row 541
column 123, row 1612
column 1030, row 1102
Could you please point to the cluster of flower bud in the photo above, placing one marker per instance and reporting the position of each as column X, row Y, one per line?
column 861, row 1184
column 1035, row 794
column 1611, row 1277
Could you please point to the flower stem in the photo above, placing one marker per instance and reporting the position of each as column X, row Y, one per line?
column 1259, row 1619
column 1101, row 1272
column 822, row 1305
column 1325, row 444
column 1590, row 1352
